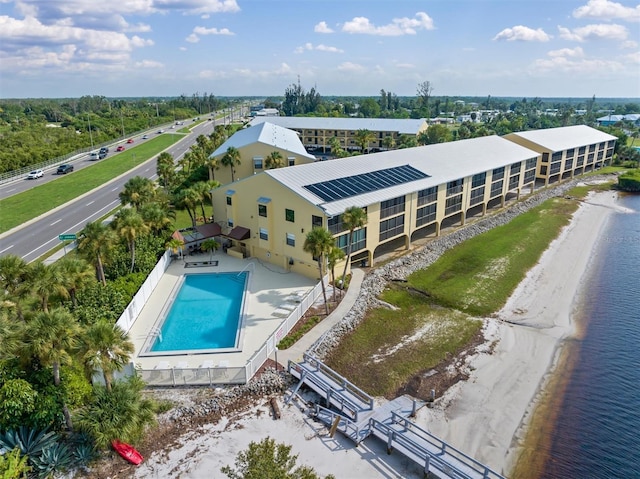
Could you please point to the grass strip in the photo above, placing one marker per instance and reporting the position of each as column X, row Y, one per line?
column 27, row 205
column 432, row 315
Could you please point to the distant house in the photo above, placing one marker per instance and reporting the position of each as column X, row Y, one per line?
column 609, row 120
column 255, row 144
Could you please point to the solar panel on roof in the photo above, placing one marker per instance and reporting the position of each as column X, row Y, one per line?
column 349, row 186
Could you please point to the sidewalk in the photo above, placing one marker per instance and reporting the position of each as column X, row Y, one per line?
column 295, row 352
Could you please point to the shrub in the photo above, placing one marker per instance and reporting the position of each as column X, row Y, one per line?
column 291, row 338
column 629, row 181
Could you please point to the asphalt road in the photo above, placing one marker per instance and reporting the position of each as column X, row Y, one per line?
column 40, row 235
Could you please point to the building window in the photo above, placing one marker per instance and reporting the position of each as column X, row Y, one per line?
column 570, row 152
column 392, row 207
column 592, row 148
column 545, row 157
column 358, row 241
column 316, row 221
column 498, row 174
column 582, row 150
column 515, row 168
column 477, row 196
column 391, row 227
column 478, row 180
column 291, row 239
column 229, row 200
column 454, row 187
column 529, row 176
column 600, row 154
column 496, row 188
column 262, row 210
column 264, row 234
column 427, row 196
column 557, row 156
column 531, row 163
column 580, row 160
column 513, row 182
column 426, row 215
column 568, row 164
column 289, row 215
column 334, row 224
column 291, row 160
column 453, row 204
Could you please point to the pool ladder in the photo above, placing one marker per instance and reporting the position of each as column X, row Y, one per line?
column 156, row 333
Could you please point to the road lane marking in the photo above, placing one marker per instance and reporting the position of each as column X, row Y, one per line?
column 115, row 189
column 12, row 189
column 90, row 203
column 8, row 247
column 56, row 221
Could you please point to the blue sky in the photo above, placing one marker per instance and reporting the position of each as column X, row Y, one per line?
column 546, row 48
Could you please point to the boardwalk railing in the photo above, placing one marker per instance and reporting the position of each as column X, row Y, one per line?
column 193, row 376
column 428, row 450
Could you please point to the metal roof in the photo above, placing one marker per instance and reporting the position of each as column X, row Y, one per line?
column 564, row 138
column 443, row 162
column 402, row 126
column 268, row 134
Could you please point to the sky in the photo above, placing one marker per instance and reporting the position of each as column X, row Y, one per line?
column 129, row 48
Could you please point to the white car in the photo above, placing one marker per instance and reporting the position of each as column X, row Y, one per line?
column 35, row 174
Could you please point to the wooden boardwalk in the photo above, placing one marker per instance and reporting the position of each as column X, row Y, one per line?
column 352, row 411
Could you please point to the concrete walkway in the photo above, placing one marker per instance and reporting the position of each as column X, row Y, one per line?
column 295, row 352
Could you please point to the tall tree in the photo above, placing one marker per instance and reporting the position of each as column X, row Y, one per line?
column 52, row 338
column 14, row 281
column 363, row 138
column 46, row 281
column 76, row 273
column 130, row 226
column 231, row 159
column 105, row 348
column 95, row 243
column 425, row 90
column 137, row 191
column 274, row 160
column 157, row 218
column 318, row 243
column 353, row 218
column 166, row 170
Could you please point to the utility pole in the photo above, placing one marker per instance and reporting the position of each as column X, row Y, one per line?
column 122, row 121
column 90, row 134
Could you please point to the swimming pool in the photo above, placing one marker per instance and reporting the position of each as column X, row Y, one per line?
column 205, row 315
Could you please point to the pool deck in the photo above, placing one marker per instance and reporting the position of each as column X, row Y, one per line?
column 270, row 288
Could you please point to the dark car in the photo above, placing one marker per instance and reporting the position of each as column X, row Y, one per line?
column 104, row 149
column 102, row 156
column 64, row 169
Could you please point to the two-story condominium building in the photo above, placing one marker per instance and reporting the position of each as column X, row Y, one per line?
column 316, row 132
column 407, row 194
column 567, row 151
column 255, row 144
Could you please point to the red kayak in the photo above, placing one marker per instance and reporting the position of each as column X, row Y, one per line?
column 127, row 451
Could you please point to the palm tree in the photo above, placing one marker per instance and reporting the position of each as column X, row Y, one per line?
column 52, row 337
column 14, row 281
column 11, row 336
column 156, row 217
column 388, row 142
column 353, row 218
column 335, row 255
column 231, row 159
column 76, row 273
column 166, row 170
column 130, row 225
column 94, row 243
column 105, row 347
column 188, row 199
column 47, row 280
column 137, row 191
column 175, row 245
column 318, row 243
column 336, row 147
column 364, row 137
column 274, row 160
column 210, row 245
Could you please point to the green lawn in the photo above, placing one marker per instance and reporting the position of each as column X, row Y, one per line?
column 472, row 280
column 22, row 207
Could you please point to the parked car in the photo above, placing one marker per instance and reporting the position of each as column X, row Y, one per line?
column 130, row 140
column 35, row 174
column 120, row 148
column 64, row 169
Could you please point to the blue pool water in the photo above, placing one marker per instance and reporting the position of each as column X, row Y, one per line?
column 205, row 313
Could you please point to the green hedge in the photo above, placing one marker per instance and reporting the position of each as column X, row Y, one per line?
column 630, row 181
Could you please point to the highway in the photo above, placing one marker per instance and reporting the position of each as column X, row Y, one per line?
column 40, row 235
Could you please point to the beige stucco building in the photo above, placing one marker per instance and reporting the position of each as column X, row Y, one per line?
column 316, row 132
column 567, row 151
column 255, row 144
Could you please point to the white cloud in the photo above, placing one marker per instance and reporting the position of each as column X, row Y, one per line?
column 149, row 64
column 212, row 31
column 136, row 41
column 182, row 49
column 322, row 27
column 282, row 70
column 406, row 66
column 350, row 67
column 192, row 38
column 523, row 34
column 567, row 52
column 321, row 48
column 629, row 44
column 633, row 57
column 607, row 10
column 397, row 27
column 581, row 66
column 608, row 31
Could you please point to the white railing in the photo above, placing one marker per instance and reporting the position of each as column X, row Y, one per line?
column 129, row 315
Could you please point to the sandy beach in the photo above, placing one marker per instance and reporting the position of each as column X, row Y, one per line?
column 485, row 416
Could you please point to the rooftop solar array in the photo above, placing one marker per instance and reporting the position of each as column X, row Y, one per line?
column 348, row 186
